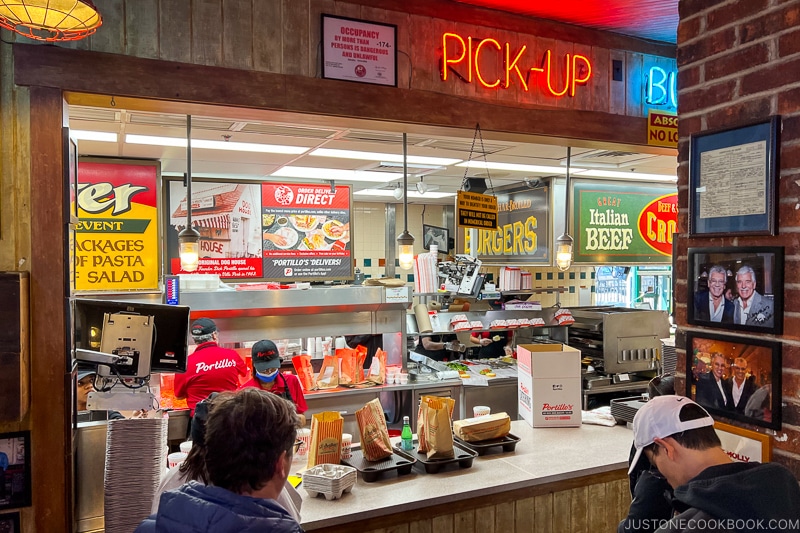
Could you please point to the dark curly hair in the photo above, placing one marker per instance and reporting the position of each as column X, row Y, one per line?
column 246, row 433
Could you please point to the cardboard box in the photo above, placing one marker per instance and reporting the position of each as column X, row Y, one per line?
column 549, row 385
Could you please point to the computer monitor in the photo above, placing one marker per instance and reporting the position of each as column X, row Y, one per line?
column 170, row 329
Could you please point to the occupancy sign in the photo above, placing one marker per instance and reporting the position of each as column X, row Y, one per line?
column 357, row 50
column 476, row 210
column 306, row 232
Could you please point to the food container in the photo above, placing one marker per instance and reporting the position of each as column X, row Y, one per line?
column 372, row 470
column 462, row 455
column 504, row 444
column 174, row 459
column 332, row 481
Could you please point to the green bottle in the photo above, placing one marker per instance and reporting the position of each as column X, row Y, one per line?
column 407, row 438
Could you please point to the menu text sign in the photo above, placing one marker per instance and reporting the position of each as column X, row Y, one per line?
column 476, row 210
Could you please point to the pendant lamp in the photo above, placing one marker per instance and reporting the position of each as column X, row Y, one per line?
column 564, row 242
column 189, row 238
column 50, row 20
column 405, row 241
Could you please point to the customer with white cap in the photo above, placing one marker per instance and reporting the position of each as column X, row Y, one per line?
column 210, row 368
column 267, row 376
column 711, row 491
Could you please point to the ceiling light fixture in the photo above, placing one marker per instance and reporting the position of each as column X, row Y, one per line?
column 334, row 173
column 215, row 145
column 430, row 195
column 422, row 188
column 564, row 243
column 189, row 238
column 375, row 156
column 100, row 136
column 405, row 241
column 397, row 192
column 619, row 174
column 50, row 20
column 482, row 165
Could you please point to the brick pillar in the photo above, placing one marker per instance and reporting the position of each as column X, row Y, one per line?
column 739, row 62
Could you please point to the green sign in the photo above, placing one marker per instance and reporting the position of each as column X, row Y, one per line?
column 624, row 223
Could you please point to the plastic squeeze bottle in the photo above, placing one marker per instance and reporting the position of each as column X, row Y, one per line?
column 406, row 437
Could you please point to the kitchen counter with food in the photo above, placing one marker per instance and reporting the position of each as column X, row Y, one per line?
column 554, row 475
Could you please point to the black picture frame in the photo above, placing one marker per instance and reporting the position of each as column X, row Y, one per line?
column 10, row 523
column 760, row 399
column 435, row 235
column 15, row 491
column 766, row 300
column 735, row 194
column 70, row 177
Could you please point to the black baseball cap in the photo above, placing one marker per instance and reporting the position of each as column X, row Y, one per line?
column 203, row 326
column 265, row 356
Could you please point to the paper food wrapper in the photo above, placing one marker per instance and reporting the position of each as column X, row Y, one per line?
column 377, row 370
column 350, row 371
column 328, row 377
column 375, row 443
column 423, row 320
column 424, row 401
column 438, row 433
column 483, row 427
column 326, row 438
column 305, row 372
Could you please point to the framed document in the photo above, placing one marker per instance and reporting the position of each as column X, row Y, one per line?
column 737, row 288
column 732, row 180
column 359, row 50
column 744, row 445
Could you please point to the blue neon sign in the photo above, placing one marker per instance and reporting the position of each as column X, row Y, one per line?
column 661, row 88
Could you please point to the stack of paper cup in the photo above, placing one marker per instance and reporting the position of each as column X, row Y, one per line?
column 304, row 434
column 347, row 443
column 481, row 410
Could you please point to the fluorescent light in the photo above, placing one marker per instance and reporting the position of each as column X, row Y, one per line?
column 482, row 165
column 637, row 176
column 430, row 195
column 86, row 135
column 335, row 174
column 375, row 156
column 215, row 145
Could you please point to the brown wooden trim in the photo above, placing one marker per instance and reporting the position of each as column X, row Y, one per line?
column 49, row 410
column 453, row 508
column 127, row 76
column 469, row 14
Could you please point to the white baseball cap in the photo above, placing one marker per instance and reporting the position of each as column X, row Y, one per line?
column 660, row 418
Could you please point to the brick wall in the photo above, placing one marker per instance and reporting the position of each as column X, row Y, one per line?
column 739, row 62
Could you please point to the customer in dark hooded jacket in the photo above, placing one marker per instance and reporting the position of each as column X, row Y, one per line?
column 250, row 438
column 712, row 493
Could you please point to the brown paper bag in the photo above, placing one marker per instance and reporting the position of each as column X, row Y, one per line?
column 304, row 370
column 422, row 414
column 377, row 371
column 375, row 443
column 328, row 377
column 326, row 438
column 350, row 372
column 438, row 433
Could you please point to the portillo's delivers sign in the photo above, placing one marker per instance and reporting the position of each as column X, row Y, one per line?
column 624, row 224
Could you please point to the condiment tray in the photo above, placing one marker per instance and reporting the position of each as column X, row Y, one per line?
column 508, row 443
column 462, row 455
column 372, row 470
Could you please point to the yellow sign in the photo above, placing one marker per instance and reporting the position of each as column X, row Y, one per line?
column 116, row 237
column 662, row 129
column 476, row 210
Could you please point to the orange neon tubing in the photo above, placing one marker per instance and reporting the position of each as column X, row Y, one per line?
column 550, row 72
column 446, row 61
column 477, row 66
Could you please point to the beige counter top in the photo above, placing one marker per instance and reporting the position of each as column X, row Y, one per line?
column 543, row 455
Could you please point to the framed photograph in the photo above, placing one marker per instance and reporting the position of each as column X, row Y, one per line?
column 70, row 177
column 732, row 180
column 744, row 445
column 10, row 523
column 15, row 470
column 435, row 235
column 735, row 377
column 736, row 288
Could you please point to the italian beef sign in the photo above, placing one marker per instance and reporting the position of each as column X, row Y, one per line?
column 476, row 210
column 624, row 224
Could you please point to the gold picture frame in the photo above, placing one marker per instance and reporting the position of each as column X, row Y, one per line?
column 744, row 445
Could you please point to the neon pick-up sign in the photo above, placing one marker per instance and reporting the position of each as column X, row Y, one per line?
column 469, row 61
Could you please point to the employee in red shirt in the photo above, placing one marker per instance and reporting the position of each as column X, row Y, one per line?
column 210, row 368
column 267, row 375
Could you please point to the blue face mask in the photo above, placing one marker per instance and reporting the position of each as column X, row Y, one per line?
column 267, row 378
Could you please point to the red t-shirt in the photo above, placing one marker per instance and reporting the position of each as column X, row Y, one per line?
column 209, row 369
column 295, row 388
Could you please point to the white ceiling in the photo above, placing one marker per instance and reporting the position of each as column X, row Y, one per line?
column 256, row 165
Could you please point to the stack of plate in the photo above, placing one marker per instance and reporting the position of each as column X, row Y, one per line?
column 624, row 409
column 134, row 465
column 329, row 480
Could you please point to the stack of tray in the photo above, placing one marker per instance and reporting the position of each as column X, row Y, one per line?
column 504, row 444
column 624, row 409
column 669, row 358
column 372, row 470
column 329, row 480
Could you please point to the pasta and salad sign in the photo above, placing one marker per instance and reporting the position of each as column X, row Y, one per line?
column 306, row 232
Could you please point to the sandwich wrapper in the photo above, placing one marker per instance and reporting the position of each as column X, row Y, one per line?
column 482, row 428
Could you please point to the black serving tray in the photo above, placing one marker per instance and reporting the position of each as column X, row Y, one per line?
column 372, row 470
column 508, row 444
column 462, row 455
